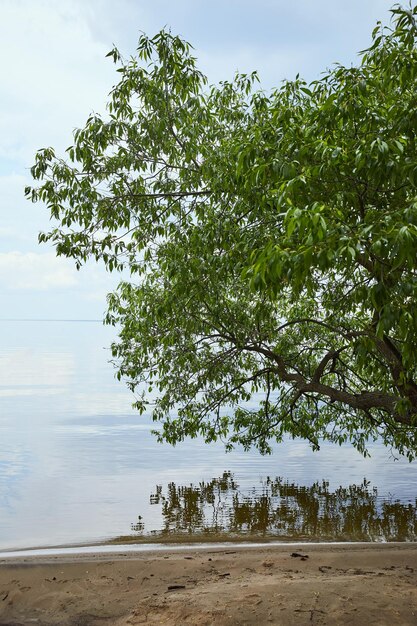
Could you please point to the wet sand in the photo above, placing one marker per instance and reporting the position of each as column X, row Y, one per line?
column 327, row 584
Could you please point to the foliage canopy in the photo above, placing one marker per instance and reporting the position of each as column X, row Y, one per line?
column 271, row 240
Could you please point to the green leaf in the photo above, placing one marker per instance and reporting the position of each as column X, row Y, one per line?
column 270, row 240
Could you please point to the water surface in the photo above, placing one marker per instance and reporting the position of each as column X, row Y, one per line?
column 78, row 464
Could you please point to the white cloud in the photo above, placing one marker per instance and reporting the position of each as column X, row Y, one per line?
column 20, row 270
column 20, row 219
column 56, row 74
column 43, row 286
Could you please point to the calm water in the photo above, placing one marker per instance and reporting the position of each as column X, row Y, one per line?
column 77, row 464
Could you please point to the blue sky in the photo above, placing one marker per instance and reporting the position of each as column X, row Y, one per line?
column 54, row 73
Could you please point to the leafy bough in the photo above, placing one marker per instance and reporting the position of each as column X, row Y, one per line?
column 271, row 241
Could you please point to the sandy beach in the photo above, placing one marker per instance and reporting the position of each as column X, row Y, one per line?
column 310, row 584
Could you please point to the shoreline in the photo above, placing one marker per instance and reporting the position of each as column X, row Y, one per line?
column 291, row 584
column 130, row 549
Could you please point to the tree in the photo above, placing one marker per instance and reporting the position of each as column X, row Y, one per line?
column 271, row 241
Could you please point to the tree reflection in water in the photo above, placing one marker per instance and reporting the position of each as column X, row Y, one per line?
column 283, row 510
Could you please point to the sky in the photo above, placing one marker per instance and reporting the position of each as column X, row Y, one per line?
column 53, row 74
